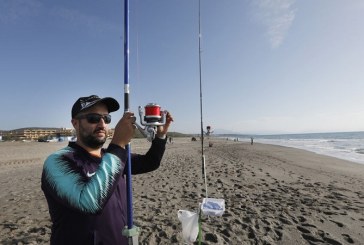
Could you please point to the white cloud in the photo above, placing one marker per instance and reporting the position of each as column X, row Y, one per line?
column 277, row 16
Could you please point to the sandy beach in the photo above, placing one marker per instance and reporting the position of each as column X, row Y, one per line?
column 273, row 194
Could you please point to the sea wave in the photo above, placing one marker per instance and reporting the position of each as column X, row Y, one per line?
column 347, row 146
column 359, row 151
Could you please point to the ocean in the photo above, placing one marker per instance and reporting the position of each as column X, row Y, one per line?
column 344, row 145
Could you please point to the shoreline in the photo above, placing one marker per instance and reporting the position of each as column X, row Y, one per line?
column 349, row 149
column 273, row 194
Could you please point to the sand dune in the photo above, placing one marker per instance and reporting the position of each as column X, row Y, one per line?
column 273, row 194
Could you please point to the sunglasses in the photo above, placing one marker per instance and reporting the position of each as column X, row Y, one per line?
column 95, row 118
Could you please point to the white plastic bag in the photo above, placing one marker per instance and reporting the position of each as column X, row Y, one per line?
column 189, row 225
column 213, row 206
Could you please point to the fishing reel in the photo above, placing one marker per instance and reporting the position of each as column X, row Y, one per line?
column 151, row 117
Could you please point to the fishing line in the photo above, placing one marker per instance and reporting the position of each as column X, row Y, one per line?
column 138, row 69
column 203, row 165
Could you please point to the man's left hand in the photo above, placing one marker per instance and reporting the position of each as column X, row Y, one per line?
column 162, row 130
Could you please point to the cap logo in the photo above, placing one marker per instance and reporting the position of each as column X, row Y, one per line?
column 84, row 104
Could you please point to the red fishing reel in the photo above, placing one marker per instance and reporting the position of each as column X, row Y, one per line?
column 151, row 117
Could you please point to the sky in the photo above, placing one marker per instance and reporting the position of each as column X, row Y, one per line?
column 268, row 66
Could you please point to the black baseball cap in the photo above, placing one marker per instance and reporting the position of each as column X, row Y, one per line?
column 84, row 103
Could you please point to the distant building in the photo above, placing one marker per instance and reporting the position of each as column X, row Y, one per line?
column 41, row 133
column 36, row 133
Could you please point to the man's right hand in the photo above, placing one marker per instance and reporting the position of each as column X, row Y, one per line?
column 124, row 130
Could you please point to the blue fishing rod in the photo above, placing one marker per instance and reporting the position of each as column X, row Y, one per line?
column 130, row 230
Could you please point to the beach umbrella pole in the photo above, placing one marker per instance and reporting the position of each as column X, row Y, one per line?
column 130, row 231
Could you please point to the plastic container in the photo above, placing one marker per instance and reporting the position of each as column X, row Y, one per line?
column 213, row 206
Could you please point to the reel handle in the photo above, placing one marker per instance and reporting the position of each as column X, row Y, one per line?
column 148, row 132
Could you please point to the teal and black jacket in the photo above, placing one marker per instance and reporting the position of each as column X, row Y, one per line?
column 86, row 195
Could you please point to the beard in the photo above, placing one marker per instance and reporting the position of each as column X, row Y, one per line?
column 90, row 140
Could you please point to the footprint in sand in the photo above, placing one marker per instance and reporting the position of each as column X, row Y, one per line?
column 209, row 237
column 337, row 223
column 40, row 230
column 310, row 238
column 303, row 230
column 348, row 238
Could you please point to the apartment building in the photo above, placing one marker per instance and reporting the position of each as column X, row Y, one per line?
column 36, row 133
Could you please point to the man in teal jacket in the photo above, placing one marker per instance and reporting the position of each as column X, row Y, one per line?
column 84, row 184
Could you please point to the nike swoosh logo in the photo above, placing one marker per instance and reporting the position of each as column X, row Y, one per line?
column 90, row 174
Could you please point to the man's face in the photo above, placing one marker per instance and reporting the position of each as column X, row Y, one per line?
column 91, row 134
